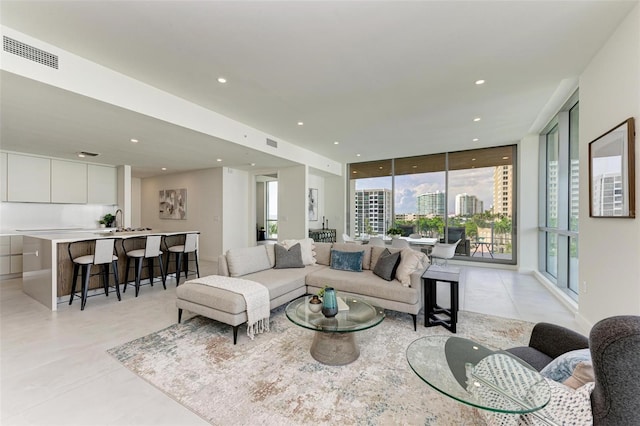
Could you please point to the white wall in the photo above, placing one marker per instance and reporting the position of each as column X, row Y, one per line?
column 136, row 202
column 610, row 248
column 292, row 203
column 204, row 195
column 238, row 217
column 527, row 221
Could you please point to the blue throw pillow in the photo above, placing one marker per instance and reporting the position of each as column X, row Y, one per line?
column 347, row 260
column 561, row 368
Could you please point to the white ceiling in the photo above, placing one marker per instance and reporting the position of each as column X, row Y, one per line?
column 385, row 79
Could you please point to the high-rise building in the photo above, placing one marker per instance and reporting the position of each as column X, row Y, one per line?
column 468, row 205
column 432, row 204
column 607, row 194
column 373, row 211
column 503, row 190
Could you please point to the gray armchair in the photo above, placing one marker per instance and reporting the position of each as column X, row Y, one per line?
column 615, row 353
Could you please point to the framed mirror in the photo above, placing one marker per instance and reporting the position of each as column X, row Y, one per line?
column 612, row 173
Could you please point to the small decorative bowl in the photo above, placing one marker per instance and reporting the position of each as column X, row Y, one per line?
column 315, row 304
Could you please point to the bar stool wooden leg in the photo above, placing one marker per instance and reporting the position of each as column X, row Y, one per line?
column 114, row 265
column 73, row 282
column 195, row 253
column 126, row 275
column 179, row 267
column 162, row 273
column 138, row 273
column 86, row 275
column 104, row 268
column 150, row 269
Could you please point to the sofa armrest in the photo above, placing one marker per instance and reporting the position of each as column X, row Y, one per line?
column 416, row 282
column 223, row 268
column 554, row 340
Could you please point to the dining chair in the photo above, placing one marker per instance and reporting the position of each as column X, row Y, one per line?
column 376, row 241
column 399, row 243
column 103, row 255
column 443, row 251
column 150, row 252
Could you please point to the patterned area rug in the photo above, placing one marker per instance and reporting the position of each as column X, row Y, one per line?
column 273, row 380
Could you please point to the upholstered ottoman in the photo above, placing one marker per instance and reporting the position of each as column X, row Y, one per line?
column 215, row 303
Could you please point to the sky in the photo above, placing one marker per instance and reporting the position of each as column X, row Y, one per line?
column 478, row 182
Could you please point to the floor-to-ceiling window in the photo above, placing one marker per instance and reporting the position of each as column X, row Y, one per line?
column 466, row 195
column 559, row 167
column 272, row 210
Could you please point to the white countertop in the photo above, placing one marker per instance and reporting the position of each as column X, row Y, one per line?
column 68, row 237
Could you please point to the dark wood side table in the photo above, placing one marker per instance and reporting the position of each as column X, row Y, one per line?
column 435, row 314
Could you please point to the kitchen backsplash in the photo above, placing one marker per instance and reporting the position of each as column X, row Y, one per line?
column 15, row 216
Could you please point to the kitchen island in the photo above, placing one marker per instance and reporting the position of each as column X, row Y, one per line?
column 48, row 269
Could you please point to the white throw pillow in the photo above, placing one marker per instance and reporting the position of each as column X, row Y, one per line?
column 306, row 245
column 410, row 261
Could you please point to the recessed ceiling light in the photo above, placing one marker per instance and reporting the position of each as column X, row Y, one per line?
column 81, row 155
column 336, row 143
column 222, row 80
column 357, row 155
column 505, row 158
column 477, row 119
column 164, row 168
column 380, row 167
column 473, row 159
column 479, row 82
column 134, row 140
column 253, row 164
column 354, row 172
column 300, row 123
column 414, row 167
column 218, row 159
column 476, row 139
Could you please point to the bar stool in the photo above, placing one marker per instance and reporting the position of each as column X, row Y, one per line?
column 103, row 255
column 182, row 255
column 150, row 251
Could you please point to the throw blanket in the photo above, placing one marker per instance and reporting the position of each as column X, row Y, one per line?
column 256, row 297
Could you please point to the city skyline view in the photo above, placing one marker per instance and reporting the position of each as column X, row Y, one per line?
column 478, row 182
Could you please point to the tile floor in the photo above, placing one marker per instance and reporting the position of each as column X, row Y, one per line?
column 54, row 368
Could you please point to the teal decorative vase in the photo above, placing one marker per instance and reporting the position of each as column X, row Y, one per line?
column 329, row 303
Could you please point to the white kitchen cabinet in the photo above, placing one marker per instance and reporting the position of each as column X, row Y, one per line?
column 11, row 254
column 28, row 179
column 3, row 176
column 102, row 184
column 68, row 182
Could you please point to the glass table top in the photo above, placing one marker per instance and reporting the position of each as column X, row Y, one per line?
column 355, row 315
column 478, row 376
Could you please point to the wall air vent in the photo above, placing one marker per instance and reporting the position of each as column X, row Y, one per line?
column 29, row 52
column 272, row 143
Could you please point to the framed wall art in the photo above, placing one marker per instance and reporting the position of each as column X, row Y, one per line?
column 612, row 173
column 313, row 204
column 173, row 204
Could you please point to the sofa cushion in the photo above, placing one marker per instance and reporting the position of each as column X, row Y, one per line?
column 376, row 251
column 410, row 260
column 366, row 249
column 386, row 265
column 323, row 253
column 288, row 258
column 282, row 281
column 347, row 260
column 306, row 246
column 561, row 368
column 364, row 283
column 242, row 261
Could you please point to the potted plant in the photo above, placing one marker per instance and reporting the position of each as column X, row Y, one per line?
column 107, row 220
column 394, row 232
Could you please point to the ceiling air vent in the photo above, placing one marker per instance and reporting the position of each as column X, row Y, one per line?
column 29, row 52
column 83, row 154
column 272, row 143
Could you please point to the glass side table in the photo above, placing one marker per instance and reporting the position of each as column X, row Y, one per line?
column 478, row 376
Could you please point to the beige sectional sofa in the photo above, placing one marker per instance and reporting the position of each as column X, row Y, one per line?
column 403, row 294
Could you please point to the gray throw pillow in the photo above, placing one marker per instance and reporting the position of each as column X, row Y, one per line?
column 387, row 265
column 291, row 258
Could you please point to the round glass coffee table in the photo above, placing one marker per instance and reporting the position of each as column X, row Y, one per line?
column 473, row 374
column 334, row 342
